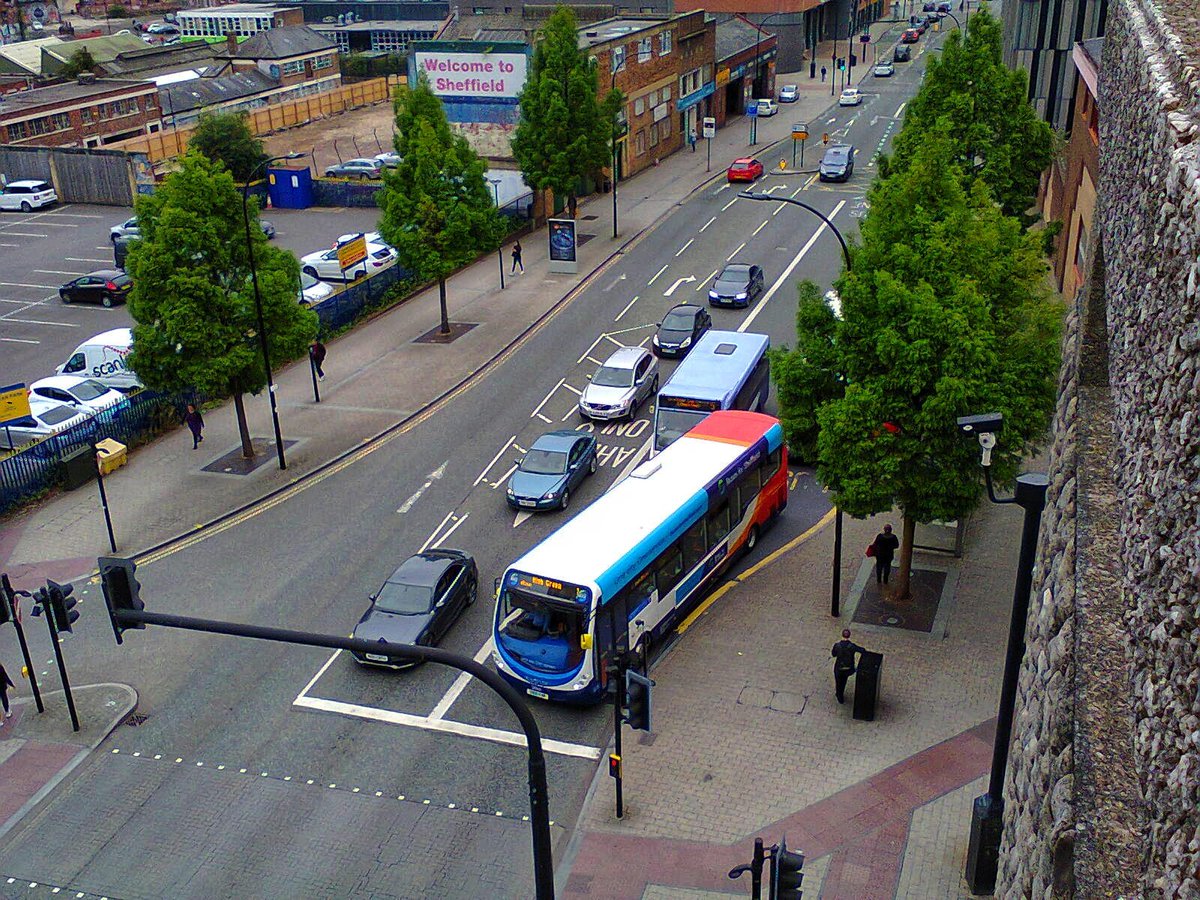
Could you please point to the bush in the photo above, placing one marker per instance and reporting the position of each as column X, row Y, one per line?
column 117, row 11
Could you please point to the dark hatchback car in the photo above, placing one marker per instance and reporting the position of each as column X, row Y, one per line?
column 555, row 465
column 737, row 285
column 681, row 328
column 106, row 287
column 838, row 163
column 902, row 53
column 418, row 604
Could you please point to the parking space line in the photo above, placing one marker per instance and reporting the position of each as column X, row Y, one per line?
column 10, row 245
column 570, row 412
column 679, row 252
column 4, row 230
column 460, row 684
column 441, row 525
column 451, row 531
column 656, row 274
column 5, row 340
column 483, row 474
column 86, row 259
column 55, row 272
column 44, row 287
column 8, row 318
column 545, row 399
column 626, row 309
column 503, row 478
column 900, row 109
column 575, row 391
column 321, row 671
column 543, row 418
column 739, row 249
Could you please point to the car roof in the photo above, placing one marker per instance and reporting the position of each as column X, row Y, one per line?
column 689, row 309
column 38, row 405
column 66, row 382
column 422, row 569
column 27, row 183
column 839, row 150
column 106, row 273
column 557, row 440
column 736, row 269
column 625, row 357
column 745, row 160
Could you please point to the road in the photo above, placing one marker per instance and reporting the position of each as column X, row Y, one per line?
column 265, row 770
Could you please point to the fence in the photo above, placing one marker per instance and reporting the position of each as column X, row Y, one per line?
column 79, row 175
column 358, row 297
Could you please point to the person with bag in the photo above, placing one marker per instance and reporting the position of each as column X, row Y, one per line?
column 883, row 549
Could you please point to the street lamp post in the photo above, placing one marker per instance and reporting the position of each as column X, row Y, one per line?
column 615, row 71
column 836, row 579
column 495, row 182
column 262, row 328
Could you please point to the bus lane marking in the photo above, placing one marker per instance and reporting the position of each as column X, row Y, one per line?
column 689, row 243
column 435, row 475
column 739, row 249
column 765, row 223
column 500, row 452
column 537, row 410
column 730, row 203
column 441, row 525
column 503, row 478
column 706, row 224
column 458, row 521
column 704, row 282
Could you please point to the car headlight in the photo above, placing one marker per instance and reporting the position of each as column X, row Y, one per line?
column 511, row 492
column 741, row 296
column 552, row 495
column 714, row 295
column 656, row 340
column 686, row 342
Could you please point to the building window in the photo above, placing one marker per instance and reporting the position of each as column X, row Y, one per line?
column 639, row 142
column 118, row 108
column 293, row 67
column 639, row 106
column 618, row 58
column 664, row 43
column 654, row 135
column 323, row 62
column 664, row 128
column 644, row 50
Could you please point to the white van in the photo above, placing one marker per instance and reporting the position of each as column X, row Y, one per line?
column 103, row 358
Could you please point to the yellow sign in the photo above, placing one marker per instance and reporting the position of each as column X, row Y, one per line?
column 14, row 402
column 825, row 137
column 722, row 77
column 782, row 164
column 352, row 252
column 799, row 135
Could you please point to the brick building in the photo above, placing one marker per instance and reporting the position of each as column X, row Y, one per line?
column 300, row 60
column 746, row 56
column 90, row 112
column 241, row 19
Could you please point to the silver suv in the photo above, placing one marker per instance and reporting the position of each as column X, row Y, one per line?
column 620, row 385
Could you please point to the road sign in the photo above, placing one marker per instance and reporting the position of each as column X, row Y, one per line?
column 710, row 127
column 825, row 138
column 800, row 131
column 14, row 402
column 752, row 109
column 352, row 252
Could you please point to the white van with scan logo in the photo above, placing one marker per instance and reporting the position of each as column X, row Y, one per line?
column 103, row 358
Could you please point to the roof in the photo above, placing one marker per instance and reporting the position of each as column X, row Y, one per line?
column 737, row 35
column 185, row 96
column 431, row 25
column 120, row 337
column 621, row 26
column 26, row 55
column 703, row 369
column 103, row 49
column 238, row 9
column 68, row 92
column 1093, row 47
column 284, row 43
column 160, row 59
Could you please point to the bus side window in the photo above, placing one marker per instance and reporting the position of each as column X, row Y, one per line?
column 748, row 489
column 718, row 524
column 747, row 396
column 771, row 465
column 668, row 569
column 639, row 591
column 693, row 545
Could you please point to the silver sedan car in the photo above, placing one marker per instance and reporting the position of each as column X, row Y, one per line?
column 626, row 379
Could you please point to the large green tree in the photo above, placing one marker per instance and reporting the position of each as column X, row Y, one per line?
column 983, row 107
column 192, row 300
column 226, row 137
column 946, row 313
column 565, row 131
column 438, row 211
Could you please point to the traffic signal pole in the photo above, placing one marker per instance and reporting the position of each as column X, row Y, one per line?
column 9, row 598
column 615, row 761
column 48, row 612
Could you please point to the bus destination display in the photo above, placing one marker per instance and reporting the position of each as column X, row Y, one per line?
column 689, row 403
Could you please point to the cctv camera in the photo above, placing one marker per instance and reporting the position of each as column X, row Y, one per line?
column 983, row 423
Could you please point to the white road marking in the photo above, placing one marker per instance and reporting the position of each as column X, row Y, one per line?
column 778, row 210
column 87, row 259
column 679, row 252
column 435, row 475
column 575, row 391
column 723, row 187
column 460, row 684
column 765, row 223
column 538, row 408
column 22, row 233
column 626, row 309
column 44, row 287
column 441, row 524
column 483, row 474
column 615, row 282
column 900, row 109
column 445, row 726
column 543, row 418
column 321, row 671
column 704, row 282
column 739, row 249
column 678, row 281
column 656, row 274
column 9, row 318
column 6, row 340
column 453, row 528
column 775, row 187
column 503, row 478
column 730, row 203
column 706, row 224
column 569, row 413
column 788, row 271
column 56, row 272
column 10, row 245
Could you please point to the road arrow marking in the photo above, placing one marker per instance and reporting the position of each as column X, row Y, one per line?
column 678, row 281
column 615, row 282
column 435, row 475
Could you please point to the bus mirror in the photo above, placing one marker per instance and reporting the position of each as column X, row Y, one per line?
column 585, row 642
column 495, row 587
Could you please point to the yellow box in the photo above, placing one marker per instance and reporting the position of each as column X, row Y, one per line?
column 112, row 455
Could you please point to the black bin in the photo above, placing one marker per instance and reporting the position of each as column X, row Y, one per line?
column 866, row 685
column 79, row 467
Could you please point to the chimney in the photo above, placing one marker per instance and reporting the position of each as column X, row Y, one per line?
column 231, row 44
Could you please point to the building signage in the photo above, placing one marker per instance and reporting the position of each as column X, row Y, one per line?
column 14, row 402
column 499, row 76
column 695, row 97
column 722, row 77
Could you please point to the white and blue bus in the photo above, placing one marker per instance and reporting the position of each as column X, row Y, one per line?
column 725, row 370
column 620, row 575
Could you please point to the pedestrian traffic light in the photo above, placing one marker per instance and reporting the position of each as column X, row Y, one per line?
column 62, row 611
column 787, row 872
column 841, row 63
column 614, row 765
column 121, row 590
column 637, row 700
column 8, row 600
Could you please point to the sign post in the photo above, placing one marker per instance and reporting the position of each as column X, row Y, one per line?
column 710, row 132
column 752, row 112
column 350, row 253
column 799, row 133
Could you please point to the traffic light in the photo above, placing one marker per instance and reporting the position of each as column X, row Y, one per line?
column 841, row 63
column 637, row 700
column 61, row 605
column 787, row 872
column 8, row 600
column 121, row 590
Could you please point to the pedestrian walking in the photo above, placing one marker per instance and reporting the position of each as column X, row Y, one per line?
column 824, row 72
column 316, row 352
column 516, row 258
column 195, row 423
column 844, row 663
column 692, row 139
column 884, row 546
column 5, row 684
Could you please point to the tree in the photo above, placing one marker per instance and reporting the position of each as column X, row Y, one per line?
column 983, row 106
column 80, row 61
column 564, row 133
column 946, row 313
column 226, row 137
column 438, row 212
column 192, row 300
column 116, row 11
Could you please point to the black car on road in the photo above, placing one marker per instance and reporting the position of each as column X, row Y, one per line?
column 737, row 285
column 418, row 604
column 680, row 329
column 106, row 287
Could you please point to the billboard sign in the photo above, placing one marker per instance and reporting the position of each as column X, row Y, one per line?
column 497, row 76
column 14, row 402
column 563, row 246
column 352, row 252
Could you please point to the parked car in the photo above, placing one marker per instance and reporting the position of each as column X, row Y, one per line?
column 46, row 417
column 910, row 36
column 744, row 169
column 162, row 28
column 27, row 195
column 417, row 604
column 129, row 230
column 884, row 69
column 356, row 168
column 680, row 328
column 902, row 53
column 736, row 285
column 324, row 264
column 850, row 97
column 313, row 291
column 555, row 465
column 102, row 357
column 622, row 383
column 789, row 93
column 268, row 228
column 837, row 163
column 104, row 286
column 85, row 394
column 389, row 160
column 767, row 108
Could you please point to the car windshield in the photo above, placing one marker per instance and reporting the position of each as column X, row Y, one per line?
column 56, row 415
column 679, row 321
column 674, row 424
column 741, row 165
column 404, row 599
column 544, row 462
column 89, row 390
column 610, row 376
column 734, row 277
column 121, row 280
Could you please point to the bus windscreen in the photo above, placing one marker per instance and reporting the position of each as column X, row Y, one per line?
column 672, row 424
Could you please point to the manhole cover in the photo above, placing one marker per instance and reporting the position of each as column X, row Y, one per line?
column 233, row 463
column 583, row 239
column 589, row 218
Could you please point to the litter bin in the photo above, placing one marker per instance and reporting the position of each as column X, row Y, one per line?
column 78, row 467
column 866, row 685
column 112, row 455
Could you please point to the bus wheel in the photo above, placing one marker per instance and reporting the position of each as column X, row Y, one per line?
column 752, row 538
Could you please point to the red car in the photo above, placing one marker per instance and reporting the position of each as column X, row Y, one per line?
column 744, row 169
column 910, row 36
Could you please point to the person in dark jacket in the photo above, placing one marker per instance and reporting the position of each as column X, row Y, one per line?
column 886, row 544
column 844, row 663
column 516, row 258
column 195, row 423
column 5, row 684
column 316, row 352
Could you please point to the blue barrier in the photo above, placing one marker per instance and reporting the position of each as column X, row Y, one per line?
column 356, row 298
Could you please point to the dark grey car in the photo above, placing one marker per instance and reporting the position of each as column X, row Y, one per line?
column 838, row 163
column 737, row 285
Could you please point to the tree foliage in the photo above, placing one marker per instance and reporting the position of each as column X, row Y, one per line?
column 225, row 137
column 982, row 106
column 438, row 211
column 79, row 62
column 192, row 299
column 565, row 132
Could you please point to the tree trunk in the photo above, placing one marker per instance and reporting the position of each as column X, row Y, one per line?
column 445, row 312
column 243, row 429
column 901, row 587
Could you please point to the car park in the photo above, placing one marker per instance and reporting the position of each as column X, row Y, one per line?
column 736, row 285
column 162, row 28
column 789, row 93
column 85, row 394
column 313, row 291
column 766, row 108
column 884, row 69
column 623, row 382
column 680, row 329
column 356, row 168
column 850, row 97
column 27, row 195
column 902, row 53
column 107, row 287
column 324, row 264
column 910, row 36
column 417, row 604
column 46, row 418
column 744, row 169
column 837, row 163
column 554, row 466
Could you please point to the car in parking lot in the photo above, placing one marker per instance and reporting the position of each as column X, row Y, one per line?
column 324, row 264
column 417, row 604
column 766, row 108
column 128, row 230
column 744, row 169
column 736, row 285
column 356, row 168
column 46, row 418
column 623, row 382
column 162, row 28
column 789, row 93
column 389, row 159
column 27, row 195
column 884, row 69
column 902, row 53
column 85, row 394
column 680, row 328
column 104, row 286
column 850, row 97
column 556, row 464
column 312, row 290
column 837, row 163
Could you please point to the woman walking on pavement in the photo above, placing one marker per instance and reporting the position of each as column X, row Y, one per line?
column 516, row 257
column 5, row 684
column 195, row 423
